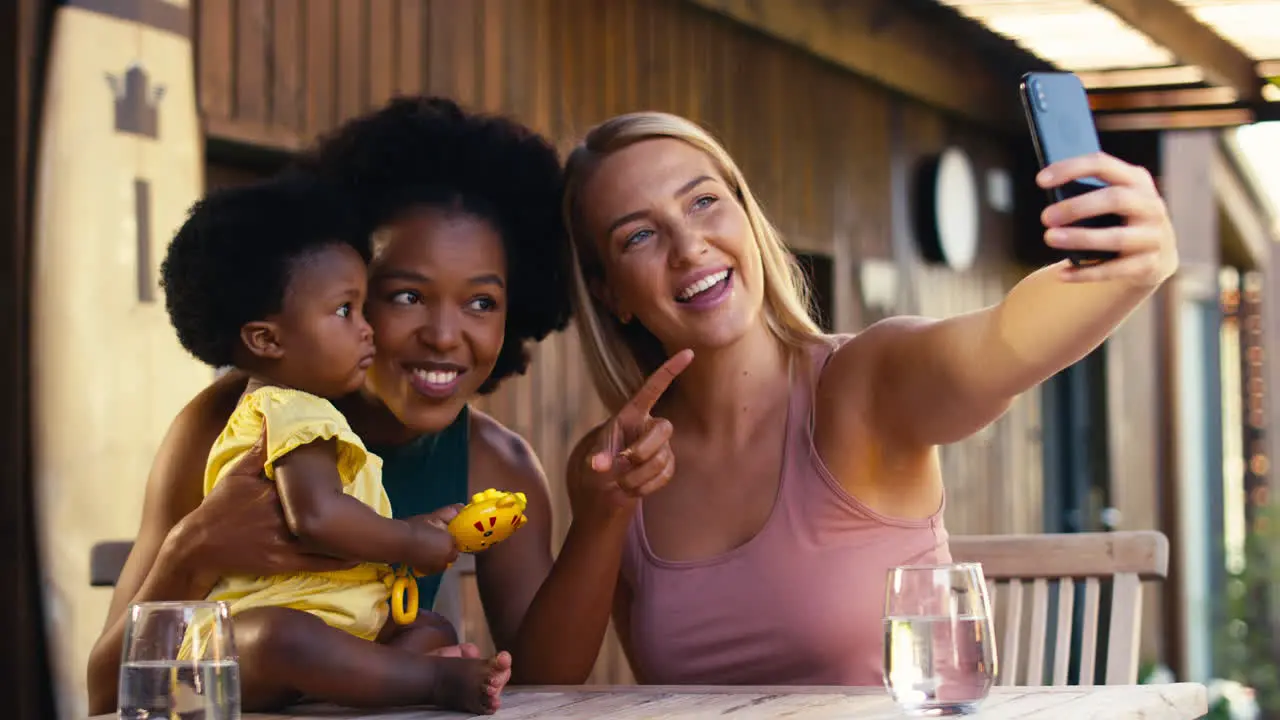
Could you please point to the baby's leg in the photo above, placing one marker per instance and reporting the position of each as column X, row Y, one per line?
column 430, row 632
column 286, row 654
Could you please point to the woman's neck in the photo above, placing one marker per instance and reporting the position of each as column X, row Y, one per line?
column 373, row 421
column 724, row 391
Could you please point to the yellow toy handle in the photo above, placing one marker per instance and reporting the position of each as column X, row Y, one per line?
column 404, row 609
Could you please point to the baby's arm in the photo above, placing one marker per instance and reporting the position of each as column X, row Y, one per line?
column 333, row 523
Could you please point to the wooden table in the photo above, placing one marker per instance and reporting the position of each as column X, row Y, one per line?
column 1182, row 701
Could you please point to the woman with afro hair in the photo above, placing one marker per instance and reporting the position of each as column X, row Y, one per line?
column 469, row 268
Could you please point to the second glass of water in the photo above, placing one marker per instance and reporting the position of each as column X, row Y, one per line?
column 179, row 661
column 939, row 654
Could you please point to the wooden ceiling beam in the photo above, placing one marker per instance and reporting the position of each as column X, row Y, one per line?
column 1129, row 78
column 1197, row 119
column 1172, row 99
column 1248, row 219
column 1192, row 42
column 890, row 45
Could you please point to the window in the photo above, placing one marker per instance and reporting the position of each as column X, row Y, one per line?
column 819, row 268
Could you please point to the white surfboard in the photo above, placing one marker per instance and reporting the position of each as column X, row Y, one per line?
column 120, row 162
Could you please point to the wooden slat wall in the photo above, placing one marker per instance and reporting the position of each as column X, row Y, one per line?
column 994, row 480
column 825, row 151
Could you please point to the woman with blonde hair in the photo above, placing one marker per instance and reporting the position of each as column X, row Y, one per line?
column 739, row 511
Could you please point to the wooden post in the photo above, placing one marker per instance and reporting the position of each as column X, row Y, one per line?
column 1193, row 468
column 23, row 655
column 1137, row 408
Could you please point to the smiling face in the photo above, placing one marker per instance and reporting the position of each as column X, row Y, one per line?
column 676, row 246
column 438, row 304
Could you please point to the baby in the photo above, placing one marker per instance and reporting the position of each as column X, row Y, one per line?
column 269, row 278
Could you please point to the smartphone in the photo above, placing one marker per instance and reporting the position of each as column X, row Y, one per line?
column 1061, row 125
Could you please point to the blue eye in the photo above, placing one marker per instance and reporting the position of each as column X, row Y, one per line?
column 637, row 236
column 704, row 202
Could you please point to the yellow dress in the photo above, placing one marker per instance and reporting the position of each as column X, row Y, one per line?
column 354, row 600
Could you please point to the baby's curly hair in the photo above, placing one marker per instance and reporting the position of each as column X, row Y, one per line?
column 428, row 151
column 230, row 261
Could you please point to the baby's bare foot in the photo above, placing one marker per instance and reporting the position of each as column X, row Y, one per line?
column 464, row 650
column 498, row 676
column 472, row 685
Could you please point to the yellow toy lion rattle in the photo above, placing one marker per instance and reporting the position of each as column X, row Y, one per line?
column 491, row 517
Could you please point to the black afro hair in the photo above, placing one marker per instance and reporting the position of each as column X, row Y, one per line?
column 428, row 151
column 229, row 263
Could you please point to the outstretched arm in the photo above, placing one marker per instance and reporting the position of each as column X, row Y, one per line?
column 328, row 521
column 932, row 382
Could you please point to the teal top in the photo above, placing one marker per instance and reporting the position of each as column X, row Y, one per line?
column 427, row 474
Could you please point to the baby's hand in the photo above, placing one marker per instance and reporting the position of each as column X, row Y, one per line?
column 435, row 549
column 441, row 517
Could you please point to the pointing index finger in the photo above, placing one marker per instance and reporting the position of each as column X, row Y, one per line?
column 657, row 383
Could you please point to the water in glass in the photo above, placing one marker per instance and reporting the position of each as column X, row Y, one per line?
column 179, row 663
column 939, row 656
column 173, row 689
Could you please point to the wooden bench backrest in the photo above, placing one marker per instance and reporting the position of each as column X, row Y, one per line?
column 1013, row 564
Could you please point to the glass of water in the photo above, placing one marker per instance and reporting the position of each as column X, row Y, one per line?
column 179, row 661
column 939, row 654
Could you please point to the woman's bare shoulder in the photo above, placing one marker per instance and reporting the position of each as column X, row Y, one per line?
column 214, row 404
column 175, row 483
column 176, row 471
column 498, row 451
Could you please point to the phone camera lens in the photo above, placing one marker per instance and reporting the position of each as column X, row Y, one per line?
column 1037, row 95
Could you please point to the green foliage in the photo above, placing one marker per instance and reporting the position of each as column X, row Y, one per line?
column 1246, row 646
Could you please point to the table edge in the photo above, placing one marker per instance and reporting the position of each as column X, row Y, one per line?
column 817, row 689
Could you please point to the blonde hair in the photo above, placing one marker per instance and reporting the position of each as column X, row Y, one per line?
column 620, row 356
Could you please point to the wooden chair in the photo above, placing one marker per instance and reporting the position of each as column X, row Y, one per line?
column 450, row 599
column 1015, row 563
column 106, row 560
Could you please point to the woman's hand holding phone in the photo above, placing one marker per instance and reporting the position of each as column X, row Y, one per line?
column 1144, row 243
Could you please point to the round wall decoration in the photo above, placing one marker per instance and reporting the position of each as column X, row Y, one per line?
column 948, row 208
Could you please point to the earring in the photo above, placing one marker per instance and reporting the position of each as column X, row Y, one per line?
column 624, row 318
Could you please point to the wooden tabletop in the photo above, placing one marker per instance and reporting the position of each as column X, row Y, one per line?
column 1182, row 701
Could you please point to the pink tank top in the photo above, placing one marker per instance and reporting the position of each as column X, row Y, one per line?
column 801, row 603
